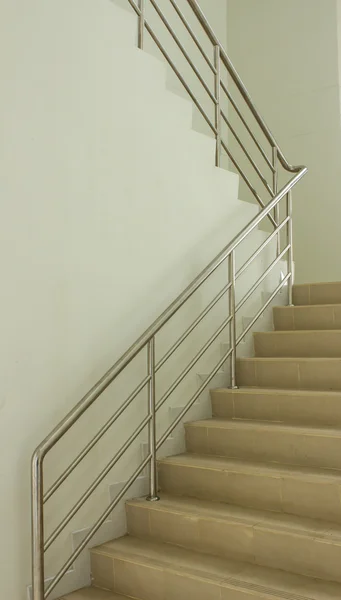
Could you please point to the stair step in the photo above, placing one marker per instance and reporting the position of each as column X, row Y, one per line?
column 302, row 491
column 92, row 593
column 303, row 407
column 268, row 442
column 325, row 316
column 295, row 544
column 148, row 570
column 290, row 373
column 298, row 343
column 317, row 293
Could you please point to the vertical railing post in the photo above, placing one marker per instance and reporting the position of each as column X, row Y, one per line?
column 218, row 104
column 275, row 191
column 142, row 7
column 37, row 503
column 233, row 329
column 289, row 243
column 152, row 423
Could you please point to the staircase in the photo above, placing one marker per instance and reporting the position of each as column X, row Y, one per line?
column 239, row 515
column 252, row 509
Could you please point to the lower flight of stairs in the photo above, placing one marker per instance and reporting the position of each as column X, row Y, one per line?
column 252, row 510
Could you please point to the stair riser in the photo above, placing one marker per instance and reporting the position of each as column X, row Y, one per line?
column 322, row 293
column 266, row 446
column 313, row 374
column 318, row 499
column 307, row 344
column 321, row 410
column 260, row 545
column 307, row 317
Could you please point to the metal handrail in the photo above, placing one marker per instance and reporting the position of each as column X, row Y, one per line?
column 146, row 342
column 242, row 88
column 143, row 340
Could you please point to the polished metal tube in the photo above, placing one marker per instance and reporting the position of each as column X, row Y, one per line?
column 134, row 7
column 275, row 187
column 192, row 34
column 248, row 156
column 249, row 130
column 73, row 416
column 74, row 510
column 217, row 104
column 180, row 77
column 95, row 439
column 37, row 523
column 95, row 528
column 233, row 329
column 183, row 50
column 153, row 497
column 261, row 248
column 241, row 87
column 290, row 253
column 193, row 362
column 261, row 278
column 142, row 6
column 192, row 327
column 247, row 181
column 194, row 398
column 261, row 310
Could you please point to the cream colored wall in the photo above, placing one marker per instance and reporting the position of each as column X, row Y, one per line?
column 287, row 54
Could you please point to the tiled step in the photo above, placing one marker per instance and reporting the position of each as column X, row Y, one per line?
column 290, row 373
column 307, row 344
column 301, row 491
column 92, row 593
column 327, row 316
column 317, row 293
column 299, row 407
column 154, row 571
column 295, row 544
column 267, row 442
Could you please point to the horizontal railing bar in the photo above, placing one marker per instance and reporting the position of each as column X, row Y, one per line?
column 249, row 185
column 261, row 247
column 193, row 399
column 193, row 362
column 249, row 157
column 96, row 527
column 249, row 130
column 95, row 439
column 95, row 484
column 259, row 281
column 193, row 36
column 180, row 77
column 240, row 85
column 193, row 326
column 136, row 348
column 261, row 310
column 135, row 7
column 183, row 50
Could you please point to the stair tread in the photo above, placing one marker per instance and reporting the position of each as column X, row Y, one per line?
column 278, row 391
column 258, row 519
column 225, row 423
column 324, row 283
column 282, row 332
column 92, row 593
column 222, row 463
column 290, row 358
column 233, row 575
column 299, row 306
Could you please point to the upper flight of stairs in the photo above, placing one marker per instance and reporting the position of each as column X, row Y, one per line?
column 252, row 510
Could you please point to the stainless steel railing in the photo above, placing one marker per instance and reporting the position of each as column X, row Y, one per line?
column 146, row 343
